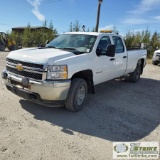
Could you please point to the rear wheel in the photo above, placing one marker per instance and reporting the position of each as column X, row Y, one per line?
column 13, row 47
column 2, row 47
column 155, row 63
column 77, row 95
column 135, row 76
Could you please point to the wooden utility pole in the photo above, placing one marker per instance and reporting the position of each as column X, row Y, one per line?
column 98, row 14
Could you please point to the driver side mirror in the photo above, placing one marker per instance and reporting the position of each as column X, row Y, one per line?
column 110, row 52
column 99, row 52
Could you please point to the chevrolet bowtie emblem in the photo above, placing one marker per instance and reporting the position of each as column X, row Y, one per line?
column 19, row 67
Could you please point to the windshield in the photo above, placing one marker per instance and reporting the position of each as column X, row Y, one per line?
column 76, row 43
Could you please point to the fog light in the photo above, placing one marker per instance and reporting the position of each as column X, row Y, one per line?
column 4, row 74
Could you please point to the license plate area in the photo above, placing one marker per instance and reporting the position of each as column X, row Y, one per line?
column 15, row 83
column 19, row 84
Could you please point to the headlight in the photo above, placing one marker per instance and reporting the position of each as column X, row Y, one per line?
column 57, row 72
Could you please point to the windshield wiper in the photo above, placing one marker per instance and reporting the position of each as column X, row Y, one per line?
column 68, row 48
column 51, row 47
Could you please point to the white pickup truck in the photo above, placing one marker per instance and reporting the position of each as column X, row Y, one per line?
column 156, row 57
column 69, row 67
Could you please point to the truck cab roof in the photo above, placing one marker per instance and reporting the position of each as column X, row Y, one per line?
column 92, row 33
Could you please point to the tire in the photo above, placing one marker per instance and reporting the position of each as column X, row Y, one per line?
column 13, row 47
column 19, row 47
column 2, row 47
column 77, row 95
column 135, row 76
column 155, row 63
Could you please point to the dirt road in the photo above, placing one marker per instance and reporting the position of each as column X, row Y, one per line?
column 119, row 111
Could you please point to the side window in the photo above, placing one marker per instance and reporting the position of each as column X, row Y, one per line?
column 118, row 44
column 103, row 44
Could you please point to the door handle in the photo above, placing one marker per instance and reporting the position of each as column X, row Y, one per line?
column 125, row 57
column 112, row 59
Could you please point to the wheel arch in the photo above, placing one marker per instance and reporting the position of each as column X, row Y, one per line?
column 141, row 63
column 87, row 75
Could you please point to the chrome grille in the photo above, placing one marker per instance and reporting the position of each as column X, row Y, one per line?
column 158, row 54
column 30, row 70
column 25, row 63
column 36, row 76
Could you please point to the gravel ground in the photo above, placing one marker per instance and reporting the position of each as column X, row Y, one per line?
column 119, row 111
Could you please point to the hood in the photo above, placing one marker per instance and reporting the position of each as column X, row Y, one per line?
column 157, row 51
column 39, row 55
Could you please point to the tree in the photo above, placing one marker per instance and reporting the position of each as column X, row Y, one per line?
column 93, row 29
column 155, row 40
column 154, row 43
column 51, row 25
column 44, row 23
column 150, row 41
column 71, row 27
column 33, row 38
column 115, row 30
column 129, row 39
column 75, row 27
column 27, row 37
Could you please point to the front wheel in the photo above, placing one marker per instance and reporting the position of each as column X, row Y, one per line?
column 135, row 76
column 77, row 95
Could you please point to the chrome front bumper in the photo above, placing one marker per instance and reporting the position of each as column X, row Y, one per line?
column 43, row 92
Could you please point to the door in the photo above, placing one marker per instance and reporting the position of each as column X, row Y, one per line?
column 120, row 56
column 104, row 66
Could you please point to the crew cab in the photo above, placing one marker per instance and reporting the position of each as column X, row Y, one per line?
column 68, row 68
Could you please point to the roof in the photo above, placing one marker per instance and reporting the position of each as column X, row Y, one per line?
column 91, row 33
